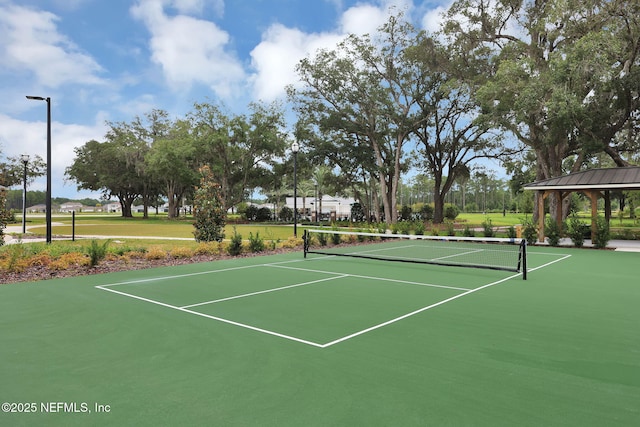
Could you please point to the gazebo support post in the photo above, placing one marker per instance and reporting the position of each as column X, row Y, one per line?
column 542, row 195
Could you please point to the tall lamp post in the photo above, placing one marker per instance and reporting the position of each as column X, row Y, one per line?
column 25, row 161
column 48, row 201
column 295, row 147
column 317, row 202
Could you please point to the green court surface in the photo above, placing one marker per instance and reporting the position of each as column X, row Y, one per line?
column 328, row 341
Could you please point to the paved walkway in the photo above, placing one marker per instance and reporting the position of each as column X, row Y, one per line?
column 618, row 245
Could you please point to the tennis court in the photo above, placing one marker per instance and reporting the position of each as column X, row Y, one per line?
column 329, row 340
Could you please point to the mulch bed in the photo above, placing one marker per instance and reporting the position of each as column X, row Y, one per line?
column 37, row 273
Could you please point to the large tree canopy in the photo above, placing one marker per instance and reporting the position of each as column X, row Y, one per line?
column 565, row 74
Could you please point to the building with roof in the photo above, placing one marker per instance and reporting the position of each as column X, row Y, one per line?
column 593, row 183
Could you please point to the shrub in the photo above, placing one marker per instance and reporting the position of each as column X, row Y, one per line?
column 292, row 242
column 181, row 252
column 602, row 234
column 577, row 230
column 335, row 238
column 251, row 213
column 256, row 243
column 126, row 249
column 419, row 228
column 286, row 214
column 468, row 232
column 357, row 212
column 322, row 238
column 264, row 214
column 426, row 213
column 207, row 248
column 405, row 213
column 65, row 261
column 155, row 253
column 401, row 227
column 235, row 246
column 511, row 232
column 553, row 231
column 449, row 225
column 487, row 228
column 451, row 211
column 13, row 257
column 529, row 231
column 209, row 212
column 97, row 251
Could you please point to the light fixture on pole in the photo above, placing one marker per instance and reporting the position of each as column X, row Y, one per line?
column 25, row 161
column 295, row 147
column 48, row 200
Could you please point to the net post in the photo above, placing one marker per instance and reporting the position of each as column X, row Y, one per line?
column 305, row 242
column 524, row 259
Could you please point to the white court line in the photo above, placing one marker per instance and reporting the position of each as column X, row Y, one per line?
column 371, row 278
column 200, row 273
column 420, row 310
column 455, row 255
column 177, row 276
column 311, row 343
column 220, row 319
column 264, row 292
column 549, row 263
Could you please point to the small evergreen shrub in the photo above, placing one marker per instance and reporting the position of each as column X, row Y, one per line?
column 426, row 213
column 451, row 211
column 468, row 232
column 97, row 251
column 256, row 243
column 419, row 228
column 511, row 232
column 402, row 227
column 529, row 231
column 235, row 246
column 487, row 228
column 576, row 230
column 602, row 234
column 553, row 231
column 322, row 238
column 449, row 225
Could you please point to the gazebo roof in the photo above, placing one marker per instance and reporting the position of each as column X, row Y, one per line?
column 627, row 178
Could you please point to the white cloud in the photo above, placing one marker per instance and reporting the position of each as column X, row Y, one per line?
column 432, row 19
column 190, row 50
column 20, row 137
column 275, row 58
column 281, row 49
column 30, row 42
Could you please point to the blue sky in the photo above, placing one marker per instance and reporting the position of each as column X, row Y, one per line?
column 112, row 60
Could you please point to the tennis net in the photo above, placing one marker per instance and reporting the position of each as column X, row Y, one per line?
column 477, row 252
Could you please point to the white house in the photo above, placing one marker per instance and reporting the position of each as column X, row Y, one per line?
column 71, row 207
column 112, row 207
column 328, row 207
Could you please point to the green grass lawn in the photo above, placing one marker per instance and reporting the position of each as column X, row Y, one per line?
column 109, row 225
column 160, row 226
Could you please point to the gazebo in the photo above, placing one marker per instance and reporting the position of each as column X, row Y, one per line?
column 593, row 183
